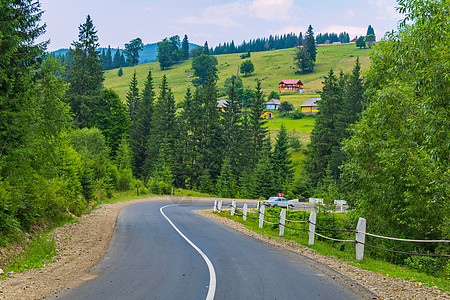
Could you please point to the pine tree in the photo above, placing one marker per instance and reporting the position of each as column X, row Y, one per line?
column 258, row 131
column 282, row 163
column 133, row 99
column 206, row 48
column 353, row 96
column 325, row 137
column 263, row 176
column 85, row 75
column 107, row 61
column 226, row 183
column 140, row 132
column 185, row 47
column 164, row 130
column 310, row 44
column 116, row 63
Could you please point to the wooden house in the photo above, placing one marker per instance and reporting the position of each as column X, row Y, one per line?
column 310, row 105
column 273, row 104
column 291, row 85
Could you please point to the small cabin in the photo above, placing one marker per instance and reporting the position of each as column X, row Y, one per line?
column 273, row 104
column 291, row 85
column 310, row 106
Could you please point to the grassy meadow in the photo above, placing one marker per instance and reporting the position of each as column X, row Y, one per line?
column 270, row 68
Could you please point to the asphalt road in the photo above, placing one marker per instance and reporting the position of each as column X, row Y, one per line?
column 149, row 259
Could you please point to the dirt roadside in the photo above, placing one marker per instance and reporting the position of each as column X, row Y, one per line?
column 80, row 245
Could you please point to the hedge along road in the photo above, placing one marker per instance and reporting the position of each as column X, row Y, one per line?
column 149, row 259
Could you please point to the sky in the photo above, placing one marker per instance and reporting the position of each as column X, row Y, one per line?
column 215, row 21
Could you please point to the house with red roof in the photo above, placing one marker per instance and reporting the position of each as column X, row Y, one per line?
column 291, row 85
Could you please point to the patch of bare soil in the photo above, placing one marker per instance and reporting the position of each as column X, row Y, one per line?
column 80, row 245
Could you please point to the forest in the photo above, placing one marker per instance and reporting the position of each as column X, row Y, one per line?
column 381, row 139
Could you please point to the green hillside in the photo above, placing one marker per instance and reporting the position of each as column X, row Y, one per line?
column 270, row 68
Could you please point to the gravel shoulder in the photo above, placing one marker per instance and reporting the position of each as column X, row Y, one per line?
column 81, row 244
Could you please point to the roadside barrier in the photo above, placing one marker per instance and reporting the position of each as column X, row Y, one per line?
column 360, row 231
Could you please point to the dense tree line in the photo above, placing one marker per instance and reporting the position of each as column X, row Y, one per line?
column 62, row 137
column 342, row 37
column 276, row 42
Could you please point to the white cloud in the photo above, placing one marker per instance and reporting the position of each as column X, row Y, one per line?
column 384, row 9
column 272, row 9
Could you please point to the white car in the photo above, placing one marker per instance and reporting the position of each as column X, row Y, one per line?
column 278, row 202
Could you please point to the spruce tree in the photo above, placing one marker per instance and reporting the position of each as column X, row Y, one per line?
column 263, row 176
column 326, row 135
column 164, row 131
column 140, row 132
column 310, row 44
column 107, row 61
column 353, row 96
column 133, row 99
column 282, row 163
column 85, row 75
column 258, row 131
column 116, row 63
column 185, row 47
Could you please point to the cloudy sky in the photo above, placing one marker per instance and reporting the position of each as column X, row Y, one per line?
column 215, row 21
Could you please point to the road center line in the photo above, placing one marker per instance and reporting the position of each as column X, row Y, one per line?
column 212, row 273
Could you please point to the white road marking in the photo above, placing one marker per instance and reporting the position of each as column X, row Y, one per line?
column 212, row 273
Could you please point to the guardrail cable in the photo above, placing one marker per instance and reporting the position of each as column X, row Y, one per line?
column 333, row 239
column 332, row 229
column 401, row 252
column 292, row 221
column 404, row 240
column 298, row 229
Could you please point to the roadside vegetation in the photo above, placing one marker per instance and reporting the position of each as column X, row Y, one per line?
column 419, row 269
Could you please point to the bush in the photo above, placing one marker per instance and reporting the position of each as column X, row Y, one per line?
column 297, row 114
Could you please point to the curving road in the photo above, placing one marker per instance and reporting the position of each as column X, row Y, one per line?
column 162, row 252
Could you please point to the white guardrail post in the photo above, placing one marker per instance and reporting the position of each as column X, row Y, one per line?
column 262, row 209
column 233, row 207
column 220, row 206
column 244, row 214
column 312, row 227
column 360, row 238
column 215, row 205
column 257, row 205
column 282, row 221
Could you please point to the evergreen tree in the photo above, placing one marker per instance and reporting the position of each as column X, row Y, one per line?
column 258, row 131
column 310, row 44
column 204, row 66
column 353, row 96
column 282, row 163
column 303, row 61
column 133, row 99
column 116, row 63
column 107, row 61
column 226, row 183
column 206, row 48
column 85, row 75
column 231, row 126
column 18, row 61
column 185, row 47
column 324, row 139
column 140, row 131
column 120, row 72
column 164, row 131
column 263, row 176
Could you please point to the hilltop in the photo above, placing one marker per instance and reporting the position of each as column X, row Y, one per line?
column 270, row 68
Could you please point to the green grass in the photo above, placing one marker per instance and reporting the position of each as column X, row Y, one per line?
column 270, row 68
column 38, row 253
column 345, row 253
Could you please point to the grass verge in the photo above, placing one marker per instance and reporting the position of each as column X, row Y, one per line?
column 342, row 252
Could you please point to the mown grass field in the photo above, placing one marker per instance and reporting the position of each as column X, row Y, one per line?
column 270, row 68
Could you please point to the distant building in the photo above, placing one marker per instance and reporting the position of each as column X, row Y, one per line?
column 291, row 85
column 222, row 103
column 354, row 40
column 273, row 104
column 310, row 105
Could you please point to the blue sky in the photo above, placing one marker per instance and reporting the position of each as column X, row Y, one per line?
column 215, row 21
